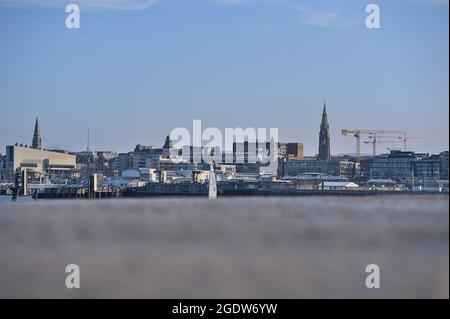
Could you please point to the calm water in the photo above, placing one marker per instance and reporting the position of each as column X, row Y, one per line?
column 308, row 247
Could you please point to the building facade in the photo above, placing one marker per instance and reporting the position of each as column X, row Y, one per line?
column 333, row 168
column 409, row 167
column 427, row 169
column 443, row 157
column 147, row 156
column 397, row 165
column 38, row 161
column 291, row 151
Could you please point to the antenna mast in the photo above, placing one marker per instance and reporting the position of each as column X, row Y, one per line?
column 88, row 140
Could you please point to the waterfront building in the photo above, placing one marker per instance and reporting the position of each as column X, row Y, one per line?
column 170, row 164
column 228, row 170
column 333, row 167
column 442, row 185
column 36, row 160
column 312, row 180
column 122, row 183
column 149, row 175
column 428, row 168
column 347, row 167
column 444, row 156
column 242, row 153
column 39, row 161
column 381, row 184
column 293, row 168
column 365, row 166
column 339, row 186
column 408, row 167
column 131, row 173
column 397, row 165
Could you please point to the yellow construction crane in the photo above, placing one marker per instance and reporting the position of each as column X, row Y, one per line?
column 375, row 140
column 401, row 138
column 376, row 143
column 371, row 134
column 405, row 138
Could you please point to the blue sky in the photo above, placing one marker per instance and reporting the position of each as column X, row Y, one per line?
column 137, row 69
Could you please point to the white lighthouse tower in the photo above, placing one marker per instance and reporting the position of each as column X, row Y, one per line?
column 212, row 194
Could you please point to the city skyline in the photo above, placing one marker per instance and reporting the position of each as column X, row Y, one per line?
column 324, row 143
column 131, row 76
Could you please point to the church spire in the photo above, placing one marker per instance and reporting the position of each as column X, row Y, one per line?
column 168, row 143
column 324, row 114
column 324, row 137
column 37, row 141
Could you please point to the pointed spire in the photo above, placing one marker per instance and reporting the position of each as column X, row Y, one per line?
column 37, row 141
column 167, row 143
column 324, row 114
column 324, row 137
column 36, row 126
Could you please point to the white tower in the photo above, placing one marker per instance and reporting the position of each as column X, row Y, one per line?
column 212, row 194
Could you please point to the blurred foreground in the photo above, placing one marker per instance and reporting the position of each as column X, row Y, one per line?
column 304, row 247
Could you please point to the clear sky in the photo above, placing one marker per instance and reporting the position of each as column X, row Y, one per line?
column 137, row 69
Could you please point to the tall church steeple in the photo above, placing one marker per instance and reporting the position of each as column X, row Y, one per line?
column 324, row 137
column 37, row 142
column 168, row 143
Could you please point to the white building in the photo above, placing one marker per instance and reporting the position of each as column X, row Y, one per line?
column 339, row 185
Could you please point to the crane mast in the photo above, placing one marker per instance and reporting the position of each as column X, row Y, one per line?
column 371, row 134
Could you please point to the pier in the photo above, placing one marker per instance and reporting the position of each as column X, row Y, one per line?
column 78, row 193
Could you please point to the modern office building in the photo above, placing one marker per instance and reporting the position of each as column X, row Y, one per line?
column 400, row 165
column 428, row 168
column 365, row 166
column 443, row 157
column 397, row 165
column 38, row 161
column 294, row 168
